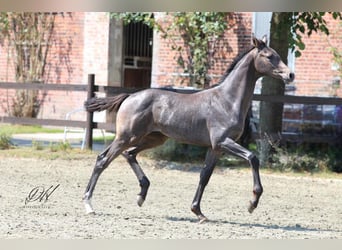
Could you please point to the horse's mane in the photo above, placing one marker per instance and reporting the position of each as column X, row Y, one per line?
column 233, row 64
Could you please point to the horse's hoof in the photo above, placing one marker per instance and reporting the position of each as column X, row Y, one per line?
column 202, row 219
column 140, row 200
column 251, row 207
column 88, row 207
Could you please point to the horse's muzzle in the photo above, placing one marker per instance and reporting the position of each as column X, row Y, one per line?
column 287, row 77
column 291, row 77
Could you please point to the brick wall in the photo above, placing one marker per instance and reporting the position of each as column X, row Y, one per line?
column 166, row 71
column 65, row 66
column 314, row 69
column 314, row 73
column 82, row 50
column 237, row 39
column 79, row 46
column 96, row 41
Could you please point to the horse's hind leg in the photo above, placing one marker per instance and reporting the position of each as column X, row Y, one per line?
column 102, row 162
column 143, row 180
column 152, row 140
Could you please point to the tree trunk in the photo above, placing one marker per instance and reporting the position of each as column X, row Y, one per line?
column 271, row 113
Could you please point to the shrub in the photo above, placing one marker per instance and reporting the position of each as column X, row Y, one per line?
column 37, row 145
column 60, row 146
column 335, row 159
column 5, row 141
column 172, row 150
column 307, row 158
column 299, row 158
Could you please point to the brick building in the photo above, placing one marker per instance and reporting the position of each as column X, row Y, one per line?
column 315, row 69
column 135, row 56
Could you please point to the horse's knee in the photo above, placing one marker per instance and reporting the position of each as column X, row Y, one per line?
column 101, row 161
column 253, row 160
column 100, row 157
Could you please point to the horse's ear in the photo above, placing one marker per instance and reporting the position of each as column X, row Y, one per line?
column 264, row 39
column 260, row 44
column 255, row 41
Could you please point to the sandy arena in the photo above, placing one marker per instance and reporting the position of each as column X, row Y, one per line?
column 291, row 207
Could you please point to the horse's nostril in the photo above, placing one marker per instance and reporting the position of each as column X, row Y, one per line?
column 292, row 76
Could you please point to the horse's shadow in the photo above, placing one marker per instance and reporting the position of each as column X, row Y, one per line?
column 297, row 228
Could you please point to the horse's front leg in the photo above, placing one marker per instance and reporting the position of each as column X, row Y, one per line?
column 257, row 187
column 230, row 146
column 210, row 162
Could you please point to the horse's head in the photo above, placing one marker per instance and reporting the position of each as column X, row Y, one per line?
column 268, row 62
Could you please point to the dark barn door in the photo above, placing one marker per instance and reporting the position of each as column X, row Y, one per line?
column 137, row 68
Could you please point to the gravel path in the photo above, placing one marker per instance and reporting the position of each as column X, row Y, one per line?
column 291, row 207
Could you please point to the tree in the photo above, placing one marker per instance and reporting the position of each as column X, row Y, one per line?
column 200, row 33
column 287, row 30
column 271, row 113
column 27, row 35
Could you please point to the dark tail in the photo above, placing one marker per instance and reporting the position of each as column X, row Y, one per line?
column 111, row 103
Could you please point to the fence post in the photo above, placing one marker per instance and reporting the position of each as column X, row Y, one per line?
column 90, row 115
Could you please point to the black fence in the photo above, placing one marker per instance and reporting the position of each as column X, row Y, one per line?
column 91, row 88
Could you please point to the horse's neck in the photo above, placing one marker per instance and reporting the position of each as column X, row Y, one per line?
column 238, row 87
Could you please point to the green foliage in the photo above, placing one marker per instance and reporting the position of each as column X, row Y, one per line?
column 298, row 161
column 145, row 17
column 46, row 153
column 200, row 32
column 334, row 157
column 337, row 52
column 4, row 25
column 5, row 141
column 174, row 151
column 305, row 23
column 53, row 146
column 59, row 146
column 28, row 129
column 337, row 57
column 306, row 157
column 37, row 145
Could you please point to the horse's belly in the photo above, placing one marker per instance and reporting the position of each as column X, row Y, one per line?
column 188, row 135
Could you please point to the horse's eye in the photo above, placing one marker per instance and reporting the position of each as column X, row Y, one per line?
column 269, row 56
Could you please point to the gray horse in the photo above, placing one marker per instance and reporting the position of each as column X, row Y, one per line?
column 213, row 118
